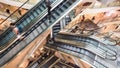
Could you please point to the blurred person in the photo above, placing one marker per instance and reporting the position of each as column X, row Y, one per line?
column 7, row 11
column 17, row 30
column 20, row 13
column 49, row 8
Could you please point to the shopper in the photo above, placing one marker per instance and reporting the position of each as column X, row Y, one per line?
column 7, row 11
column 49, row 8
column 20, row 13
column 17, row 30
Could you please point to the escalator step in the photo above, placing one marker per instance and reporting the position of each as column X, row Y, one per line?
column 39, row 29
column 69, row 3
column 56, row 27
column 32, row 16
column 61, row 10
column 43, row 25
column 65, row 6
column 50, row 62
column 57, row 13
column 38, row 10
column 24, row 23
column 35, row 13
column 29, row 19
column 53, row 18
column 72, row 1
column 43, row 6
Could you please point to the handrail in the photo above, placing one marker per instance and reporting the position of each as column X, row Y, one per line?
column 14, row 11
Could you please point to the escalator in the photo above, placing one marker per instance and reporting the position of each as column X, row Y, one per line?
column 56, row 28
column 25, row 22
column 83, row 54
column 49, row 62
column 61, row 64
column 89, row 44
column 73, row 65
column 60, row 25
column 38, row 28
column 43, row 58
column 48, row 59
